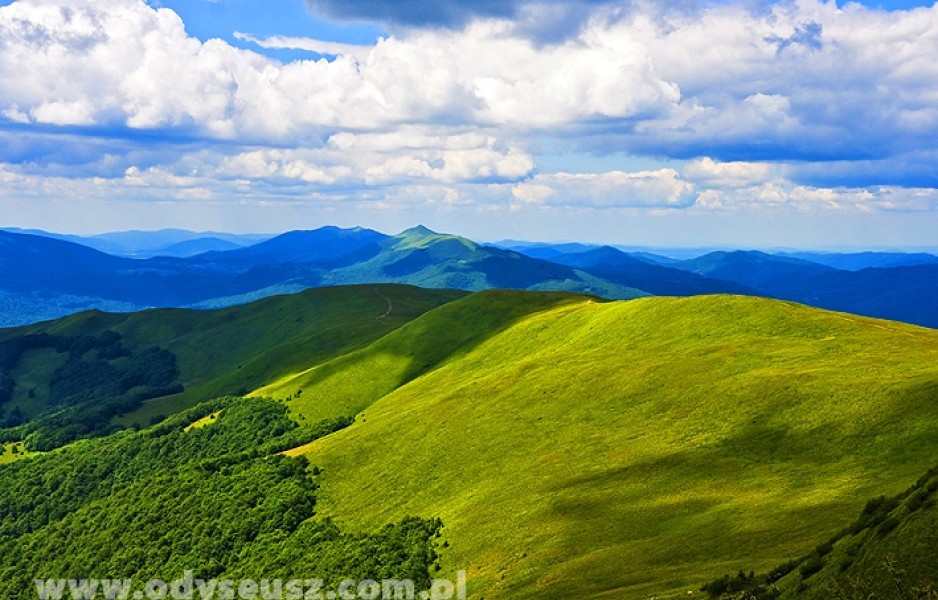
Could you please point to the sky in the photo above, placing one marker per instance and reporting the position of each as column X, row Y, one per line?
column 745, row 123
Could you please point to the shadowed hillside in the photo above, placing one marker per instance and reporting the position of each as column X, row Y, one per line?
column 212, row 352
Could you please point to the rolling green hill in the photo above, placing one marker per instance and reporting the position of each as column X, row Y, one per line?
column 216, row 352
column 571, row 448
column 623, row 450
column 349, row 383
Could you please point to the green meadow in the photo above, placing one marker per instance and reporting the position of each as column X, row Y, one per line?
column 586, row 449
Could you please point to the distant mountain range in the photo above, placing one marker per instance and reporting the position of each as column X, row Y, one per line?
column 46, row 276
column 147, row 244
column 905, row 291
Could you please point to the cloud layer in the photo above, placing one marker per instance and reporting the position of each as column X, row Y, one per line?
column 797, row 104
column 724, row 79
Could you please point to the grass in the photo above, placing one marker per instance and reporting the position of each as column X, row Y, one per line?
column 623, row 450
column 891, row 556
column 32, row 376
column 234, row 350
column 349, row 383
column 573, row 448
column 203, row 422
column 14, row 451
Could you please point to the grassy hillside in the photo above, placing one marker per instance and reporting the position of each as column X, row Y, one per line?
column 621, row 450
column 572, row 448
column 226, row 351
column 887, row 552
column 349, row 383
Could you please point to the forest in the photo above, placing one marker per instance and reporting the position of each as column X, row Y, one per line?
column 203, row 491
column 99, row 379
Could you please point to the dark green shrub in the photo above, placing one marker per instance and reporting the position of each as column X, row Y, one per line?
column 888, row 525
column 825, row 548
column 781, row 571
column 810, row 566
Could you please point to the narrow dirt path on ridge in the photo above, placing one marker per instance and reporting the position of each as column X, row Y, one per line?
column 388, row 300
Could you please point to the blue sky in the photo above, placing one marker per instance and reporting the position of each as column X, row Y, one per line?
column 709, row 122
column 223, row 18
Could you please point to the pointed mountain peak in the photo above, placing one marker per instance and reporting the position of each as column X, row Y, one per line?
column 418, row 230
column 423, row 237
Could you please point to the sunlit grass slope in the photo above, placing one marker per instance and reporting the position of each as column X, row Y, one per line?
column 622, row 450
column 238, row 349
column 349, row 383
column 14, row 451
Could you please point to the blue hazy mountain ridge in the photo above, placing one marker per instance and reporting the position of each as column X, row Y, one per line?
column 907, row 294
column 614, row 265
column 324, row 246
column 760, row 270
column 545, row 251
column 864, row 260
column 101, row 245
column 31, row 263
column 162, row 242
column 43, row 277
column 50, row 267
column 189, row 248
column 149, row 244
column 664, row 255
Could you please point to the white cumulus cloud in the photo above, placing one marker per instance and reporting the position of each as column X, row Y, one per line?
column 662, row 188
column 802, row 79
